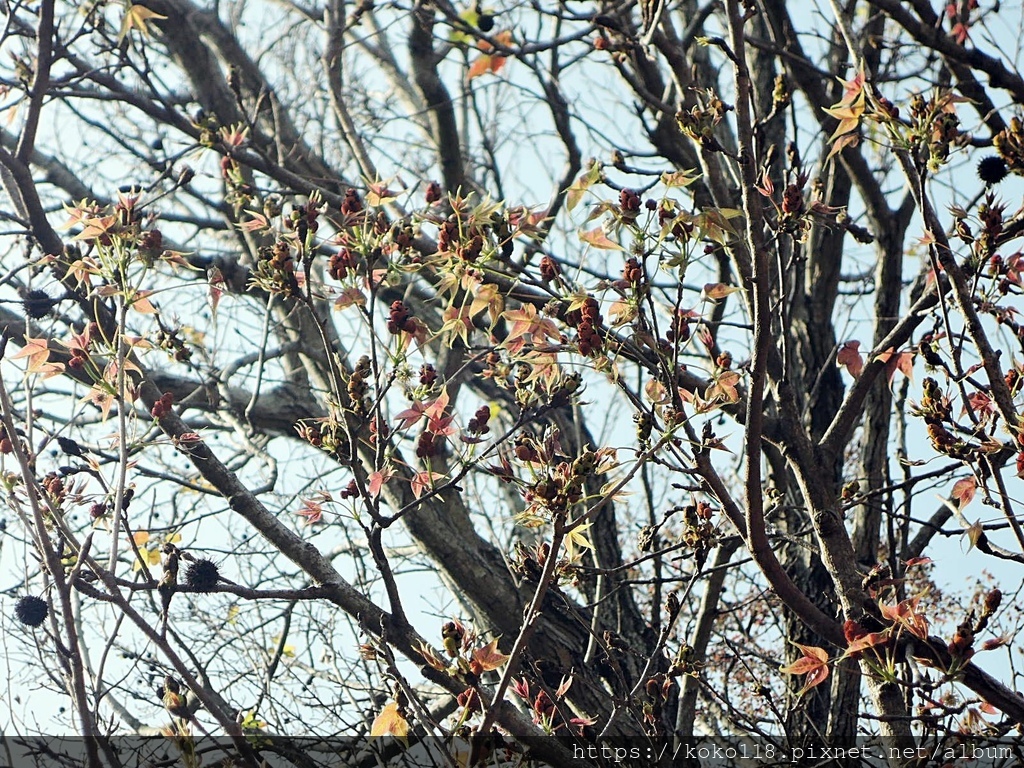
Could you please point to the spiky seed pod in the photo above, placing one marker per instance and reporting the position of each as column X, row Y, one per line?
column 202, row 575
column 37, row 304
column 31, row 610
column 992, row 169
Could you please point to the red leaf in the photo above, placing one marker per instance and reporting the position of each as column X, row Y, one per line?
column 850, row 357
column 963, row 491
column 813, row 664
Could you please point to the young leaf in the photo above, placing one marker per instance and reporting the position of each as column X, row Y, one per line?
column 813, row 664
column 488, row 658
column 598, row 239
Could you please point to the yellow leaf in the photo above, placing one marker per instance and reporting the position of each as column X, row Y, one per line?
column 140, row 537
column 576, row 540
column 150, row 556
column 137, row 17
column 390, row 723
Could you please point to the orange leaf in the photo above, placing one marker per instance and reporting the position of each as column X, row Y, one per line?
column 481, row 65
column 488, row 658
column 390, row 723
column 850, row 357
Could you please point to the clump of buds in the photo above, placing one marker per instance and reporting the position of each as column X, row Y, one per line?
column 357, row 386
column 478, row 424
column 341, row 264
column 400, row 320
column 6, row 443
column 428, row 375
column 1009, row 143
column 54, row 487
column 352, row 206
column 452, row 636
column 428, row 445
column 151, row 242
column 588, row 333
column 990, row 213
column 629, row 204
column 549, row 269
column 632, row 272
column 433, row 193
column 162, row 406
column 469, row 700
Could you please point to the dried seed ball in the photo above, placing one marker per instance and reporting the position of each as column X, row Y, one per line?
column 202, row 575
column 38, row 304
column 31, row 610
column 992, row 169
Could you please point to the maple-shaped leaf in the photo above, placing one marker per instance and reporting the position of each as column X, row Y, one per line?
column 411, row 415
column 576, row 541
column 865, row 641
column 897, row 361
column 390, row 722
column 137, row 17
column 258, row 223
column 488, row 61
column 849, row 357
column 140, row 303
column 350, row 297
column 813, row 664
column 975, row 533
column 487, row 659
column 457, row 323
column 423, row 482
column 724, row 388
column 38, row 353
column 679, row 178
column 379, row 194
column 598, row 239
column 905, row 614
column 964, row 490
